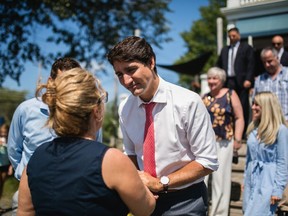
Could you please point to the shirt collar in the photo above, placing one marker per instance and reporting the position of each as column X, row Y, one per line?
column 279, row 74
column 280, row 53
column 236, row 45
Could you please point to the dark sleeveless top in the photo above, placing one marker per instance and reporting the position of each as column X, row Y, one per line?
column 221, row 114
column 65, row 178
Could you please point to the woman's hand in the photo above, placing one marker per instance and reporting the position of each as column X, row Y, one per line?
column 274, row 200
column 237, row 144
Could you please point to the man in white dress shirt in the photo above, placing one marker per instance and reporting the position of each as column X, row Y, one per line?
column 184, row 140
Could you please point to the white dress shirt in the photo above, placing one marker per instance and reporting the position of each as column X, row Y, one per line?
column 230, row 70
column 280, row 53
column 183, row 131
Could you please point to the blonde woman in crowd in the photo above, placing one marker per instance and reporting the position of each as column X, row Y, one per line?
column 74, row 174
column 266, row 170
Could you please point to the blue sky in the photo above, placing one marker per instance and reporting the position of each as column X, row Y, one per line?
column 184, row 13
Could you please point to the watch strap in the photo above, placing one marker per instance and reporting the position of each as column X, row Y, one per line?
column 165, row 188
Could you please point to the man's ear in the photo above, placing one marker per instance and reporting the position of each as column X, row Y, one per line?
column 152, row 65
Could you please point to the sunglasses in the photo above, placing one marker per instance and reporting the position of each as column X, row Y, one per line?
column 103, row 98
column 278, row 44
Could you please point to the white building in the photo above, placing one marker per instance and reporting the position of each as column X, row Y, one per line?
column 258, row 20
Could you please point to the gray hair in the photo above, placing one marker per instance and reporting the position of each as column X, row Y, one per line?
column 265, row 50
column 216, row 71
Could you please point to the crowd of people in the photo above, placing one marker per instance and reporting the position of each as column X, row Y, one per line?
column 266, row 135
column 173, row 139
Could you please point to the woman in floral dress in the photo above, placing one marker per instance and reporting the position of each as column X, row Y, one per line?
column 226, row 114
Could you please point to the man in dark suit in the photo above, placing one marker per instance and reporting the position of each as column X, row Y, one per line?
column 278, row 44
column 238, row 61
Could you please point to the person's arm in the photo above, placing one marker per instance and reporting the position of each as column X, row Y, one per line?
column 187, row 174
column 15, row 138
column 202, row 142
column 250, row 59
column 128, row 146
column 121, row 175
column 25, row 205
column 238, row 120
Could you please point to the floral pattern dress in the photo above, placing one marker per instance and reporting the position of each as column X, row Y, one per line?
column 221, row 113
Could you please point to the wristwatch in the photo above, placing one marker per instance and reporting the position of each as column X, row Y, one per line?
column 164, row 180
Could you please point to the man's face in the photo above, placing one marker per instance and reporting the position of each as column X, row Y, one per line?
column 138, row 78
column 270, row 62
column 277, row 42
column 234, row 37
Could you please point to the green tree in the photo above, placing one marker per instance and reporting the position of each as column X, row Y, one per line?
column 9, row 100
column 110, row 123
column 202, row 38
column 84, row 30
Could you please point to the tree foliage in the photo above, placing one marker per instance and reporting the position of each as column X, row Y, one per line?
column 43, row 30
column 9, row 100
column 202, row 37
column 110, row 124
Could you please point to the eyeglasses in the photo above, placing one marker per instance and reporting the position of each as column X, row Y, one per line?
column 278, row 44
column 103, row 98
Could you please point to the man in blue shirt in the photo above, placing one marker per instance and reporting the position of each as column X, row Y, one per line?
column 28, row 129
column 275, row 79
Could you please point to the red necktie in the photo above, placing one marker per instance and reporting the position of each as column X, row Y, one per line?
column 149, row 142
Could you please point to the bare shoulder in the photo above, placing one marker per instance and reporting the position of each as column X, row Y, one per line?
column 116, row 166
column 115, row 159
column 115, row 155
column 234, row 94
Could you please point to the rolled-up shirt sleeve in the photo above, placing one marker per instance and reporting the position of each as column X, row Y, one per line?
column 201, row 135
column 15, row 139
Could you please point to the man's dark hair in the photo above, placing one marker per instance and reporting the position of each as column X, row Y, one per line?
column 63, row 64
column 132, row 49
column 234, row 29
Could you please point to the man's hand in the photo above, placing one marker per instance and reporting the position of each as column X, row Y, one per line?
column 151, row 182
column 247, row 84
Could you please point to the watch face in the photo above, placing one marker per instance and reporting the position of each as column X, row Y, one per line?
column 164, row 180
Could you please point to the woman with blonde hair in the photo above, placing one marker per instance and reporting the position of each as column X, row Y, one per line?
column 74, row 174
column 266, row 171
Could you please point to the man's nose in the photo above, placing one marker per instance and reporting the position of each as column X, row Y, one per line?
column 127, row 79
